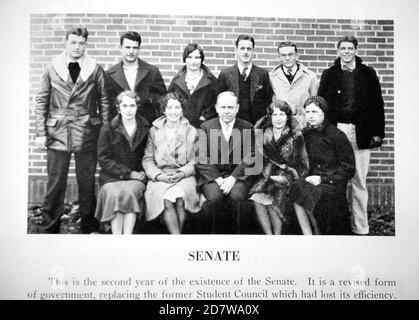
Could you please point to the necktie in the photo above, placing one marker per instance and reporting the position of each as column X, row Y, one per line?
column 74, row 69
column 347, row 67
column 244, row 75
column 289, row 75
column 226, row 131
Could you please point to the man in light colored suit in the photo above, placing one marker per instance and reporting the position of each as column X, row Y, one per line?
column 249, row 82
column 134, row 74
column 292, row 81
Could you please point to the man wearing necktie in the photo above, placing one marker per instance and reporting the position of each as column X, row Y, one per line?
column 71, row 106
column 134, row 74
column 353, row 93
column 221, row 173
column 249, row 82
column 293, row 82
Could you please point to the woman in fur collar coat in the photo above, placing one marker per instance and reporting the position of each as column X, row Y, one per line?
column 285, row 160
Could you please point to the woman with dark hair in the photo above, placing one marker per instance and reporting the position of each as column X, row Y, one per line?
column 320, row 198
column 196, row 85
column 169, row 162
column 285, row 159
column 122, row 179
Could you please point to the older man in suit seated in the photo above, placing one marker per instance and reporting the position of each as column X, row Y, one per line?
column 226, row 148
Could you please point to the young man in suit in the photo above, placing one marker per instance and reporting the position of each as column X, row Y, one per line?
column 222, row 177
column 353, row 93
column 70, row 108
column 134, row 74
column 292, row 81
column 249, row 82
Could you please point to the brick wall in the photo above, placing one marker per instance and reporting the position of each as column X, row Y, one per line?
column 165, row 36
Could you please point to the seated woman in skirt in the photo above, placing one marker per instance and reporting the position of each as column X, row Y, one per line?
column 284, row 160
column 320, row 198
column 169, row 162
column 120, row 150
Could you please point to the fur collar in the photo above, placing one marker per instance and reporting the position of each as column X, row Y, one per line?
column 159, row 122
column 87, row 66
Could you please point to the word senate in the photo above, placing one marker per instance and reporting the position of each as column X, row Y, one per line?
column 225, row 255
column 211, row 309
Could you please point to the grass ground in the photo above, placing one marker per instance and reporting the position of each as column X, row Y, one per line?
column 381, row 221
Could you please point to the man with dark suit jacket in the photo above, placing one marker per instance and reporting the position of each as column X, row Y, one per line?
column 353, row 94
column 134, row 74
column 249, row 82
column 228, row 142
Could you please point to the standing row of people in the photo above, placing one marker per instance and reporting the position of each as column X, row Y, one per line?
column 77, row 96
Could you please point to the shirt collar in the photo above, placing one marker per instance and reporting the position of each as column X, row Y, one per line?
column 68, row 60
column 294, row 69
column 125, row 67
column 241, row 67
column 351, row 65
column 230, row 124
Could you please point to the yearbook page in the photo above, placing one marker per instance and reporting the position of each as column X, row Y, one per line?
column 236, row 263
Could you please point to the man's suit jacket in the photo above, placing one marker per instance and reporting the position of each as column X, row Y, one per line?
column 260, row 88
column 212, row 138
column 149, row 86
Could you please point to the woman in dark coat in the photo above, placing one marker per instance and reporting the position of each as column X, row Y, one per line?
column 196, row 85
column 120, row 151
column 320, row 198
column 285, row 159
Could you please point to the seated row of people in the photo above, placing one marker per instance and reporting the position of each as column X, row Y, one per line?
column 172, row 169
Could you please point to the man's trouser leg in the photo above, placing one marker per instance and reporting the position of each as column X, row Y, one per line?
column 240, row 207
column 85, row 173
column 359, row 201
column 58, row 163
column 215, row 209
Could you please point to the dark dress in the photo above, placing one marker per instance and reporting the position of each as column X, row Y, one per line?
column 331, row 157
column 118, row 155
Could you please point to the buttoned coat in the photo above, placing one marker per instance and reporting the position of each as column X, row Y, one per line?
column 331, row 157
column 330, row 154
column 71, row 114
column 202, row 100
column 303, row 85
column 149, row 86
column 215, row 147
column 368, row 100
column 116, row 158
column 170, row 154
column 260, row 88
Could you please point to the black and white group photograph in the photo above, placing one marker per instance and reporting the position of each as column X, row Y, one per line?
column 211, row 138
column 130, row 115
